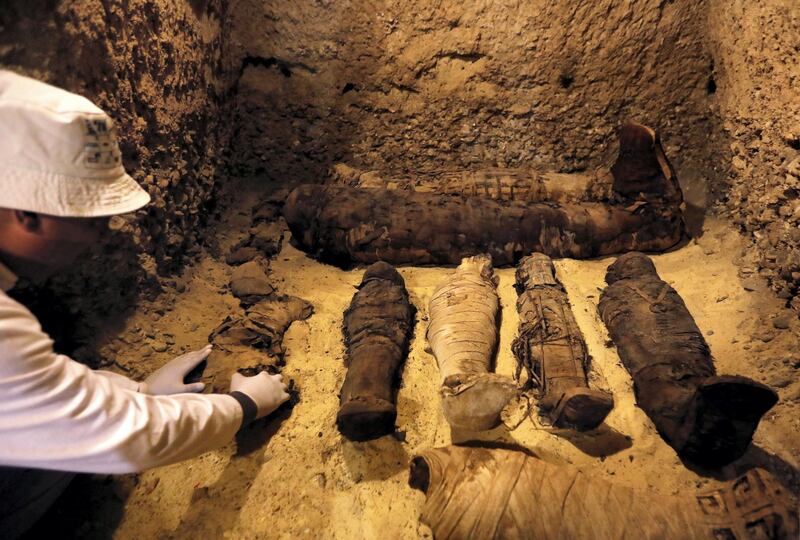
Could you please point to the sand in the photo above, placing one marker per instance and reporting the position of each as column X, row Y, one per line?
column 294, row 476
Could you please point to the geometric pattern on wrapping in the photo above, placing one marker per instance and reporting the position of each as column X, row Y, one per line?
column 506, row 184
column 753, row 506
column 549, row 344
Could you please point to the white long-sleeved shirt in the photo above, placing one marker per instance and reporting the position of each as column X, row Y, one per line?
column 58, row 414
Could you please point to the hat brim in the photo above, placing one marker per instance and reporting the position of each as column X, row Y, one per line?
column 68, row 196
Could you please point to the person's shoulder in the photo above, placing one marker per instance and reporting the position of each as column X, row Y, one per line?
column 15, row 314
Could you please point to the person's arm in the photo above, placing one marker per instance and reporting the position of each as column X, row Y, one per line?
column 166, row 380
column 119, row 379
column 58, row 414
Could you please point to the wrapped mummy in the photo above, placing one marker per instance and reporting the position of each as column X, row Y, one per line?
column 551, row 348
column 462, row 334
column 706, row 418
column 492, row 494
column 505, row 215
column 641, row 168
column 491, row 183
column 377, row 328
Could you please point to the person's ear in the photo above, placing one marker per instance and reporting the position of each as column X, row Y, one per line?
column 30, row 221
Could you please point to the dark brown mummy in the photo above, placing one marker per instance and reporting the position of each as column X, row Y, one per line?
column 377, row 328
column 706, row 418
column 345, row 225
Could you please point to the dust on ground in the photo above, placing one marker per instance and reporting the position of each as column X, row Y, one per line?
column 295, row 476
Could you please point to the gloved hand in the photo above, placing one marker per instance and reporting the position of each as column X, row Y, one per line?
column 169, row 378
column 267, row 391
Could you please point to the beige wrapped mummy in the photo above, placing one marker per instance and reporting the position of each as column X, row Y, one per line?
column 462, row 334
column 493, row 493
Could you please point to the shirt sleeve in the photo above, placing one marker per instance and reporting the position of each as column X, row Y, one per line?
column 56, row 413
column 118, row 379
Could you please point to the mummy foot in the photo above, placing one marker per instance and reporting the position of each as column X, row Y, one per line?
column 582, row 409
column 722, row 418
column 366, row 418
column 475, row 402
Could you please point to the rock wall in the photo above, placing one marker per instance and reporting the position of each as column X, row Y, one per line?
column 159, row 68
column 423, row 85
column 420, row 86
column 756, row 48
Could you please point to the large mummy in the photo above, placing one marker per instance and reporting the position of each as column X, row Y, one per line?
column 492, row 494
column 641, row 167
column 551, row 347
column 345, row 225
column 706, row 418
column 491, row 183
column 377, row 328
column 462, row 334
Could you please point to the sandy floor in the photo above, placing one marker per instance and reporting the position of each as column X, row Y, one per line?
column 295, row 476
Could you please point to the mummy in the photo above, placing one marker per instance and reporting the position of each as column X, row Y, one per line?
column 377, row 328
column 706, row 418
column 477, row 493
column 462, row 334
column 551, row 348
column 641, row 167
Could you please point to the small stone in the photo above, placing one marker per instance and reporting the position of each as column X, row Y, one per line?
column 766, row 336
column 710, row 333
column 267, row 237
column 750, row 284
column 781, row 322
column 781, row 380
column 320, row 480
column 794, row 168
column 241, row 255
column 159, row 346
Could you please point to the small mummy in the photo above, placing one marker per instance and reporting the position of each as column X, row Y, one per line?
column 463, row 337
column 377, row 328
column 551, row 348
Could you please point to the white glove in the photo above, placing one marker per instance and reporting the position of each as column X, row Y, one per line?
column 267, row 391
column 169, row 378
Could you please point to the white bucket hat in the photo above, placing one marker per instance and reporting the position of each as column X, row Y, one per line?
column 59, row 154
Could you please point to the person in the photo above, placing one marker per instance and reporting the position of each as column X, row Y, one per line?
column 61, row 178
